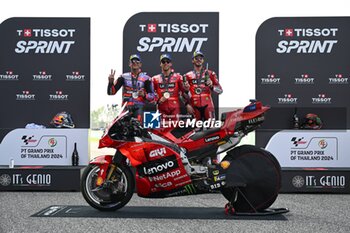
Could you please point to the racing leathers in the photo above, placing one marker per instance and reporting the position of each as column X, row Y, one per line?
column 132, row 84
column 172, row 89
column 200, row 93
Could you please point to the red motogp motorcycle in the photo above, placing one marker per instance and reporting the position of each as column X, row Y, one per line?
column 167, row 164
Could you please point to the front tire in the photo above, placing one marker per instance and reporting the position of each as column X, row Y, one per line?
column 110, row 196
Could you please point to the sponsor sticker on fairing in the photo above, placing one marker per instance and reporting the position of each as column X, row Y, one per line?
column 212, row 138
column 167, row 175
column 157, row 152
column 158, row 166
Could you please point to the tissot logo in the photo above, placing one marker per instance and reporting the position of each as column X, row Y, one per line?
column 58, row 96
column 174, row 28
column 151, row 27
column 75, row 76
column 39, row 43
column 304, row 79
column 270, row 79
column 321, row 99
column 300, row 43
column 25, row 95
column 42, row 76
column 27, row 32
column 287, row 99
column 288, row 32
column 308, row 32
column 9, row 76
column 338, row 79
column 171, row 43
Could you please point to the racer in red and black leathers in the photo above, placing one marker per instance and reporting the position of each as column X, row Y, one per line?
column 169, row 89
column 137, row 87
column 202, row 82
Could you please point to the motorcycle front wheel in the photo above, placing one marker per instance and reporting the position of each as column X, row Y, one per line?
column 114, row 193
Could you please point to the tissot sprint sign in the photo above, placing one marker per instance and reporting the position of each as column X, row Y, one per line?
column 44, row 70
column 176, row 33
column 302, row 64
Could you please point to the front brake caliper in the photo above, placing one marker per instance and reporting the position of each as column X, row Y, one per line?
column 102, row 174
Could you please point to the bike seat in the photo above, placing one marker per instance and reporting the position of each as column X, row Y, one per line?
column 204, row 133
column 172, row 146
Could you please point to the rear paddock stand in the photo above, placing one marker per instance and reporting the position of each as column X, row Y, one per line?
column 230, row 210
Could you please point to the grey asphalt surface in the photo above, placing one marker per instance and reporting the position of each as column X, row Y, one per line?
column 308, row 213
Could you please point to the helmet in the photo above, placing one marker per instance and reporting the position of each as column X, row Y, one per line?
column 197, row 53
column 62, row 120
column 134, row 56
column 311, row 121
column 165, row 56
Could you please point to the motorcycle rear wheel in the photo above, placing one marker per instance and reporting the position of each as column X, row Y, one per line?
column 113, row 196
column 257, row 174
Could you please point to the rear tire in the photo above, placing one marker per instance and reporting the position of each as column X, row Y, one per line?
column 107, row 198
column 259, row 171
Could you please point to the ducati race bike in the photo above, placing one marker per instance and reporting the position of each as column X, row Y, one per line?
column 161, row 163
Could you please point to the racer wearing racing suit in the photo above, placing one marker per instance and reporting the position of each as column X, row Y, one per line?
column 202, row 83
column 137, row 87
column 169, row 89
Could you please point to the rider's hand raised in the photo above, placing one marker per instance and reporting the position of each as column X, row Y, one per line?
column 111, row 76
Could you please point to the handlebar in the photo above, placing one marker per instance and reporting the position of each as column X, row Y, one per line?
column 127, row 129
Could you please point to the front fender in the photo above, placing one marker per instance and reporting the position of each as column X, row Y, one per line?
column 102, row 159
column 103, row 162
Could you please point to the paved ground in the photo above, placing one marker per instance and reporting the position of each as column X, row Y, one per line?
column 308, row 213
